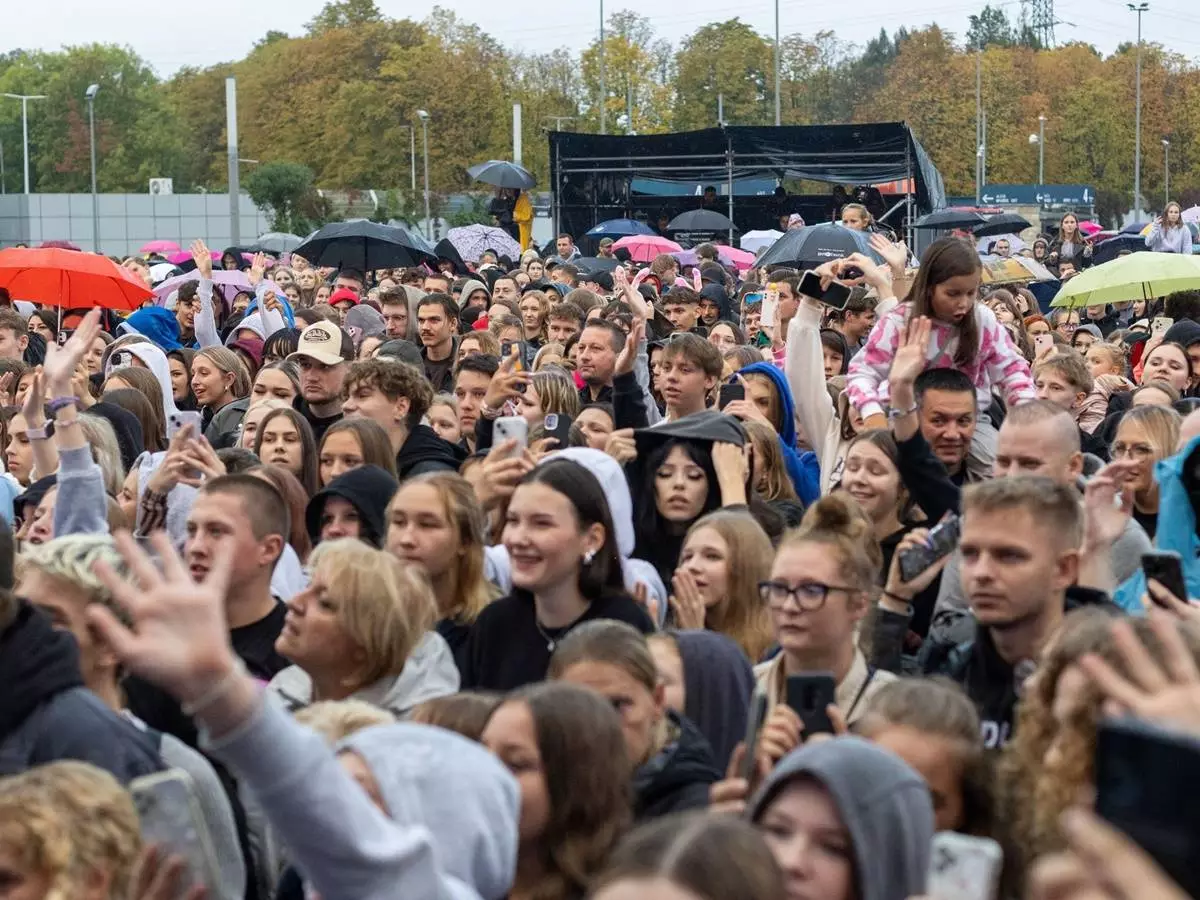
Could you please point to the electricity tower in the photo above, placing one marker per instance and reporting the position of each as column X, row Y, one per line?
column 1042, row 21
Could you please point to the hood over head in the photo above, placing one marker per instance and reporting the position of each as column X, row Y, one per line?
column 1185, row 332
column 709, row 425
column 155, row 323
column 470, row 287
column 369, row 490
column 616, row 489
column 424, row 445
column 473, row 825
column 719, row 683
column 883, row 804
column 363, row 322
column 787, row 406
column 156, row 361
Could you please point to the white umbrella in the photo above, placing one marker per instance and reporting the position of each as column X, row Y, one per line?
column 1191, row 214
column 1014, row 242
column 757, row 240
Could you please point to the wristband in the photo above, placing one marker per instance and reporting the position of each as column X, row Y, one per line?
column 39, row 434
column 488, row 412
column 894, row 414
column 907, row 602
column 61, row 403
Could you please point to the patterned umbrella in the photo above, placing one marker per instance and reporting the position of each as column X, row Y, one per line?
column 472, row 240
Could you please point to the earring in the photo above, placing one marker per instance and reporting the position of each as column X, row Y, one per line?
column 588, row 557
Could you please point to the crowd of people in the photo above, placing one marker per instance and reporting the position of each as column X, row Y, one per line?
column 465, row 581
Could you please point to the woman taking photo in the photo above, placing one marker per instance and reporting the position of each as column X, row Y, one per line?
column 285, row 438
column 1144, row 436
column 351, row 443
column 821, row 586
column 1070, row 245
column 358, row 629
column 725, row 555
column 219, row 381
column 435, row 522
column 1169, row 233
column 672, row 764
column 566, row 569
column 549, row 391
column 564, row 746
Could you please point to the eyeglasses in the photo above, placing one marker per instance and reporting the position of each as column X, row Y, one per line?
column 808, row 595
column 1138, row 452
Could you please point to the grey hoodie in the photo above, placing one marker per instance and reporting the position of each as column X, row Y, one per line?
column 883, row 803
column 428, row 673
column 457, row 790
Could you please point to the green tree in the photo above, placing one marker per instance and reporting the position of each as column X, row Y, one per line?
column 637, row 67
column 344, row 14
column 285, row 191
column 729, row 59
column 990, row 28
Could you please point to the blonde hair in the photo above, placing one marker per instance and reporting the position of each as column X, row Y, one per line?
column 70, row 820
column 838, row 522
column 776, row 484
column 1161, row 424
column 230, row 364
column 551, row 349
column 105, row 451
column 335, row 720
column 468, row 584
column 557, row 392
column 1116, row 354
column 489, row 344
column 72, row 558
column 385, row 607
column 741, row 614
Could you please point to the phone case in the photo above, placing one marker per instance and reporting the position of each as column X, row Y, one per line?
column 809, row 695
column 508, row 427
column 770, row 307
column 962, row 867
column 170, row 816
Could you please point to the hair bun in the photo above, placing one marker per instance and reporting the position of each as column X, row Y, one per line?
column 837, row 513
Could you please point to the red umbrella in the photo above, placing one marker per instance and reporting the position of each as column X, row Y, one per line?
column 644, row 247
column 70, row 279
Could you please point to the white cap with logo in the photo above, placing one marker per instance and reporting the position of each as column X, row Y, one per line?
column 321, row 341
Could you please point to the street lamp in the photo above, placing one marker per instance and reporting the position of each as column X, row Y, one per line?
column 1138, row 8
column 1166, row 172
column 424, row 117
column 90, row 93
column 25, row 98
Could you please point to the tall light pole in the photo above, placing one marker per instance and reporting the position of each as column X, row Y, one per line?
column 424, row 117
column 1138, row 8
column 778, row 120
column 90, row 94
column 1041, row 151
column 603, row 78
column 1166, row 172
column 25, row 98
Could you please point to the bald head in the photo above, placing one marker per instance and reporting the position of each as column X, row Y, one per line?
column 1039, row 438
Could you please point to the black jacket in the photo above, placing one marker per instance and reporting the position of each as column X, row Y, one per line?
column 369, row 490
column 46, row 714
column 678, row 777
column 625, row 395
column 424, row 451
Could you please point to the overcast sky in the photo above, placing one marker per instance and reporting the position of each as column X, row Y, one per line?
column 167, row 36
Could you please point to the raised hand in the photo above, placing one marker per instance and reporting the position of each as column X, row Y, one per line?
column 621, row 446
column 732, row 470
column 628, row 355
column 895, row 255
column 34, row 407
column 257, row 268
column 909, row 360
column 160, row 876
column 203, row 258
column 199, row 462
column 61, row 362
column 906, row 590
column 507, row 383
column 1107, row 505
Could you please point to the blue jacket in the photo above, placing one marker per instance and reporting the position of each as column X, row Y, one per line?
column 803, row 467
column 1176, row 530
column 288, row 315
column 157, row 324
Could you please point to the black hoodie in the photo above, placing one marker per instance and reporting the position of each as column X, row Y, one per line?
column 369, row 490
column 46, row 714
column 678, row 777
column 423, row 451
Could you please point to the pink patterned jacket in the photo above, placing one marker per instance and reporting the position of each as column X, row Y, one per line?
column 997, row 364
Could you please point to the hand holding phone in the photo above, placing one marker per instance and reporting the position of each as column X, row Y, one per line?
column 1165, row 567
column 770, row 307
column 810, row 695
column 942, row 540
column 962, row 867
column 734, row 390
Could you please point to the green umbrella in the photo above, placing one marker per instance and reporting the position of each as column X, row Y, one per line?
column 1138, row 276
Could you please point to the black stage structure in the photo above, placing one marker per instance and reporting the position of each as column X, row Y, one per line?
column 593, row 173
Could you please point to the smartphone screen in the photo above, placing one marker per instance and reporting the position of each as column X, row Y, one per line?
column 730, row 392
column 1166, row 567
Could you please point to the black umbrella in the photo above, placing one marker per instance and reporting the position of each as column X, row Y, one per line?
column 1111, row 249
column 950, row 218
column 816, row 244
column 363, row 245
column 502, row 173
column 446, row 250
column 595, row 263
column 277, row 242
column 1003, row 223
column 700, row 220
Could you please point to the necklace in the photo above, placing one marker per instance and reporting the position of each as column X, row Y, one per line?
column 551, row 642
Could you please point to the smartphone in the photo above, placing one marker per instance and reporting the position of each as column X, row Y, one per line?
column 170, row 817
column 752, row 298
column 835, row 296
column 809, row 695
column 511, row 427
column 64, row 335
column 121, row 359
column 770, row 308
column 1166, row 567
column 178, row 419
column 1042, row 342
column 962, row 867
column 755, row 717
column 734, row 390
column 1142, row 773
column 1161, row 324
column 558, row 426
column 942, row 540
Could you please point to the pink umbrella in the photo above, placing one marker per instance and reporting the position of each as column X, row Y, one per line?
column 644, row 247
column 228, row 282
column 739, row 259
column 184, row 255
column 1089, row 228
column 162, row 247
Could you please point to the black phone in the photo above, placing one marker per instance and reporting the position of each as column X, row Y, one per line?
column 942, row 540
column 1166, row 567
column 734, row 390
column 835, row 296
column 1142, row 773
column 558, row 426
column 754, row 723
column 809, row 695
column 506, row 350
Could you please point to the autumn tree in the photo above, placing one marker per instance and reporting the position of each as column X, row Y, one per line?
column 728, row 59
column 637, row 67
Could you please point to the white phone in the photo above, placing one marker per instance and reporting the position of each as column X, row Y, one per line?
column 171, row 818
column 962, row 867
column 178, row 419
column 511, row 427
column 770, row 307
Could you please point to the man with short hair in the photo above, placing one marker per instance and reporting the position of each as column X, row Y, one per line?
column 935, row 411
column 187, row 304
column 1002, row 248
column 472, row 379
column 247, row 514
column 396, row 396
column 505, row 288
column 566, row 320
column 350, row 279
column 14, row 334
column 855, row 322
column 665, row 267
column 689, row 369
column 565, row 274
column 437, row 283
column 437, row 324
column 607, row 371
column 393, row 306
column 682, row 308
column 322, row 353
column 597, row 282
column 564, row 244
column 606, row 248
